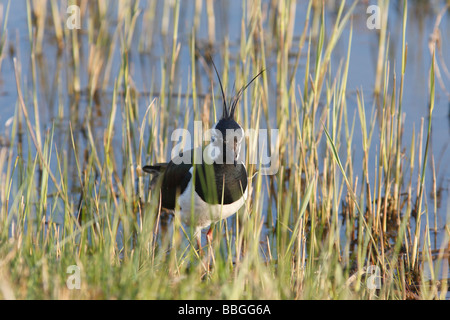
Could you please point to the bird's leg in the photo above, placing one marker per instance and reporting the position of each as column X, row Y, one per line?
column 198, row 236
column 209, row 235
column 209, row 238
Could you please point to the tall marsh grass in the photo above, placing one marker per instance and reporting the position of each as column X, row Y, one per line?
column 72, row 190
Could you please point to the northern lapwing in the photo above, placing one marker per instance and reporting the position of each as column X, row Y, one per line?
column 215, row 188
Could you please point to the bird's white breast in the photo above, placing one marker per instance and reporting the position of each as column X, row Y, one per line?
column 204, row 213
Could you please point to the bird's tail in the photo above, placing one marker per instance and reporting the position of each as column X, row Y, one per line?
column 155, row 170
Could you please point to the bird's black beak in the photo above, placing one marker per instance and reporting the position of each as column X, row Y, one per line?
column 235, row 162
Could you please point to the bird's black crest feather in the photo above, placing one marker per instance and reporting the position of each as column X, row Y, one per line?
column 229, row 111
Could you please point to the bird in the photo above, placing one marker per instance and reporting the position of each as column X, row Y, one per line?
column 214, row 189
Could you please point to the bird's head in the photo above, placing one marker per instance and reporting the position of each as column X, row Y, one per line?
column 226, row 137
